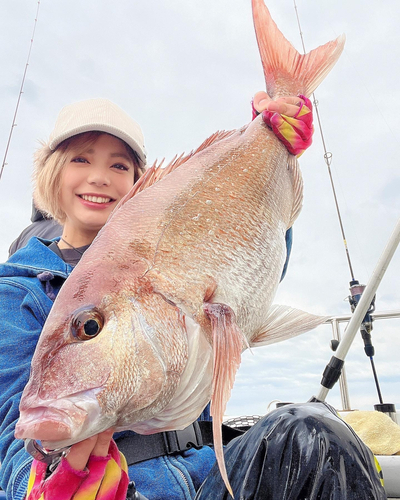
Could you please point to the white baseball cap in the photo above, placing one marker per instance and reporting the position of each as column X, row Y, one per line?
column 98, row 115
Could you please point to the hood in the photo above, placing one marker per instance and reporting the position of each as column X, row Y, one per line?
column 34, row 259
column 36, row 214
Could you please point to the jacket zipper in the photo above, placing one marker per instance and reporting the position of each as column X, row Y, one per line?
column 184, row 479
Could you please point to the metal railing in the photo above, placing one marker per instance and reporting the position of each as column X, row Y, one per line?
column 335, row 322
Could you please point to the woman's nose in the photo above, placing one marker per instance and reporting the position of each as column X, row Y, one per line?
column 99, row 176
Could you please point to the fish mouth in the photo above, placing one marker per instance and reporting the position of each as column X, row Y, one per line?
column 44, row 424
column 63, row 420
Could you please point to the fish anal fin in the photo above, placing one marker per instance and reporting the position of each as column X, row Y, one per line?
column 284, row 322
column 227, row 346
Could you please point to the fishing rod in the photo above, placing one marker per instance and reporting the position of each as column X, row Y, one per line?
column 334, row 367
column 21, row 91
column 356, row 289
column 327, row 157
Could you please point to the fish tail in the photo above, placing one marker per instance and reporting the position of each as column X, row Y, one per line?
column 287, row 71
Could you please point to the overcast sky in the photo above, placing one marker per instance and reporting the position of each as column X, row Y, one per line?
column 186, row 69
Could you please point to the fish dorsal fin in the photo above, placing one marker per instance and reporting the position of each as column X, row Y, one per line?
column 283, row 65
column 157, row 172
column 284, row 322
column 227, row 347
column 297, row 183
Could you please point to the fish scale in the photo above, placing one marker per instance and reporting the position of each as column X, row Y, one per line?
column 251, row 242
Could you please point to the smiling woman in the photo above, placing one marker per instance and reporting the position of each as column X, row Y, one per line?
column 94, row 156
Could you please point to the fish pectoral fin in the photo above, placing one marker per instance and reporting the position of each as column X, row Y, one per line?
column 227, row 345
column 284, row 322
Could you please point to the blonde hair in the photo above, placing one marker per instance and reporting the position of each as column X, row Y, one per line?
column 48, row 168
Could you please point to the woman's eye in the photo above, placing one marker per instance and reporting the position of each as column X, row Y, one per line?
column 79, row 159
column 120, row 166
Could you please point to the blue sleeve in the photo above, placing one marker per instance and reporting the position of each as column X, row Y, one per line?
column 289, row 242
column 22, row 319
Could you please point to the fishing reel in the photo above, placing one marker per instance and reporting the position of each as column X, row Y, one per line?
column 356, row 290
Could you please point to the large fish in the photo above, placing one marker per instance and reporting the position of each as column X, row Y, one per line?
column 151, row 324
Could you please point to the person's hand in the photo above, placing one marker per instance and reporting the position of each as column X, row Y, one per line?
column 98, row 445
column 290, row 118
column 288, row 106
column 94, row 469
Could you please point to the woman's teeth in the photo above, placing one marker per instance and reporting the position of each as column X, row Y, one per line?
column 95, row 199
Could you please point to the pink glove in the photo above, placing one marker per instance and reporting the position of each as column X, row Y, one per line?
column 294, row 132
column 104, row 478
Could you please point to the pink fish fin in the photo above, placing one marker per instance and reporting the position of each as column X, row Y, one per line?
column 157, row 172
column 286, row 70
column 297, row 183
column 284, row 322
column 228, row 346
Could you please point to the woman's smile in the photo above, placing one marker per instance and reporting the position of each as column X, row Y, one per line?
column 96, row 200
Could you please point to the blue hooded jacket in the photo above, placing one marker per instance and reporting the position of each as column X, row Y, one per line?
column 29, row 283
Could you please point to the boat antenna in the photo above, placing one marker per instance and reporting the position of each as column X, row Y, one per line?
column 356, row 290
column 21, row 91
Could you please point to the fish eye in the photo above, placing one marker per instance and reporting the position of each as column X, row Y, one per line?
column 87, row 324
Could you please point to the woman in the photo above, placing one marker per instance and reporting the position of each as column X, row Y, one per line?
column 94, row 156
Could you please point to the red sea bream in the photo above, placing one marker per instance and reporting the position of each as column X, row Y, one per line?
column 151, row 324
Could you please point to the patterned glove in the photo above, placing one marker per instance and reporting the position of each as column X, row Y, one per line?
column 295, row 132
column 104, row 478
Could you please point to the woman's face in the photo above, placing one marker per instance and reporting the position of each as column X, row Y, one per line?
column 92, row 183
